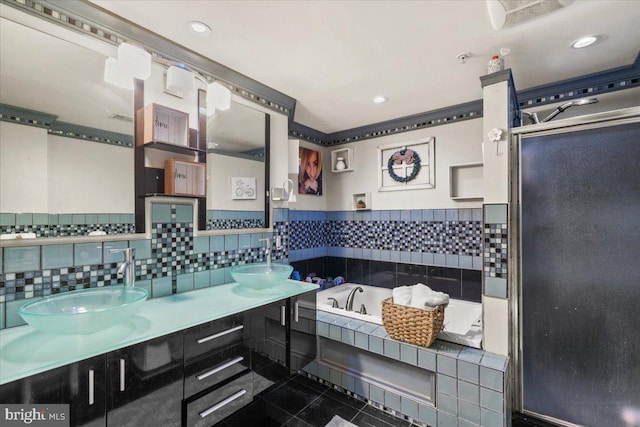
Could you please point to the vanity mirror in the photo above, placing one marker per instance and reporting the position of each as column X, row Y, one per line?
column 237, row 155
column 66, row 163
column 66, row 137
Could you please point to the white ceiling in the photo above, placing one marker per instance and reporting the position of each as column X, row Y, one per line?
column 334, row 56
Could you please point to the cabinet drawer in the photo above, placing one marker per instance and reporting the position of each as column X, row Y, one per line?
column 213, row 335
column 220, row 403
column 212, row 369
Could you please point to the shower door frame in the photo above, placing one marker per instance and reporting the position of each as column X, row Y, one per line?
column 592, row 121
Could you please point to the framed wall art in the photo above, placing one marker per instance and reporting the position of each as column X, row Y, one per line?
column 407, row 165
column 243, row 188
column 310, row 172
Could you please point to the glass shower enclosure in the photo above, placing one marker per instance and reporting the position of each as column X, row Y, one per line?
column 578, row 296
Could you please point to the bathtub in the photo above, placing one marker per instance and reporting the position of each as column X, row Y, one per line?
column 462, row 319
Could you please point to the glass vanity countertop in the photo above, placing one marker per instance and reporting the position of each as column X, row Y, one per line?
column 24, row 351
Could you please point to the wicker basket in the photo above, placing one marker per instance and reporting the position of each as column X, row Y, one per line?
column 413, row 325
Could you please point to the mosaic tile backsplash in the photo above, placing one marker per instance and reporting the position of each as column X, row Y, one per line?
column 453, row 231
column 496, row 250
column 451, row 237
column 233, row 220
column 61, row 225
column 174, row 260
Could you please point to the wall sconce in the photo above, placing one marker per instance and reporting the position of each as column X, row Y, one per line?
column 218, row 98
column 132, row 62
column 179, row 81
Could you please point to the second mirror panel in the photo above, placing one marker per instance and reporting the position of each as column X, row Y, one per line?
column 237, row 168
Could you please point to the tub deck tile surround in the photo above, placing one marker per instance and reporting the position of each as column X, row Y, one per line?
column 470, row 383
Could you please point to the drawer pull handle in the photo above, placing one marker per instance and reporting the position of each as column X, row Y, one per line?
column 219, row 368
column 222, row 403
column 220, row 334
column 283, row 315
column 122, row 375
column 91, row 387
column 296, row 310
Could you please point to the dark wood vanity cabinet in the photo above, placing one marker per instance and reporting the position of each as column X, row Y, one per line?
column 285, row 331
column 81, row 385
column 217, row 370
column 145, row 383
column 195, row 377
column 303, row 342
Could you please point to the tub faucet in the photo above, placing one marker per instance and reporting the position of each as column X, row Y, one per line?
column 349, row 305
column 127, row 268
column 334, row 304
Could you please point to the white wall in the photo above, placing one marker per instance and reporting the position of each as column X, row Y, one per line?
column 41, row 173
column 454, row 143
column 220, row 168
column 89, row 177
column 23, row 168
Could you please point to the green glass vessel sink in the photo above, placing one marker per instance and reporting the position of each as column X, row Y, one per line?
column 84, row 311
column 261, row 275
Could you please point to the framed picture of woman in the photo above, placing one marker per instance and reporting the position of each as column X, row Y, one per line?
column 310, row 172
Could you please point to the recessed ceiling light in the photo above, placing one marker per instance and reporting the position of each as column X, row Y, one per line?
column 199, row 28
column 379, row 99
column 584, row 42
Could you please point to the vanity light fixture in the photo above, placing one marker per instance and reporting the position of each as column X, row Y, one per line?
column 136, row 60
column 379, row 99
column 218, row 98
column 198, row 28
column 179, row 81
column 132, row 62
column 584, row 42
column 116, row 74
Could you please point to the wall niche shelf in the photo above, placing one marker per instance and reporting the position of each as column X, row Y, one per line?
column 361, row 201
column 172, row 148
column 346, row 154
column 161, row 131
column 465, row 181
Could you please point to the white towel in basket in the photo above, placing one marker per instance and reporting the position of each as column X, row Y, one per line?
column 419, row 296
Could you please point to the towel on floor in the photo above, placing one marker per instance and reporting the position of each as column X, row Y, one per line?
column 402, row 295
column 336, row 421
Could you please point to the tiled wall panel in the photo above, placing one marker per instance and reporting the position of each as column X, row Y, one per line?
column 470, row 383
column 64, row 225
column 451, row 237
column 172, row 261
column 495, row 250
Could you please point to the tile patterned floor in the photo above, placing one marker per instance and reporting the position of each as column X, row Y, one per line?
column 301, row 402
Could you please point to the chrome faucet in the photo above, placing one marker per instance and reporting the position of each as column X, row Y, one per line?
column 334, row 304
column 349, row 305
column 267, row 250
column 127, row 268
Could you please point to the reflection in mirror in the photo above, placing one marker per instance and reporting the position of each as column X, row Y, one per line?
column 66, row 162
column 237, row 152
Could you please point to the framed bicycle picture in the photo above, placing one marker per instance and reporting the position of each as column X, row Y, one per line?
column 243, row 188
